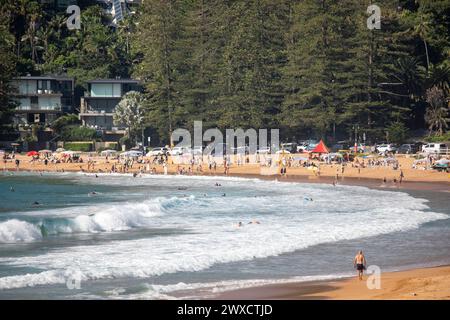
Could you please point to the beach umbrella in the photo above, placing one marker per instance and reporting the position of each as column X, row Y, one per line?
column 60, row 150
column 32, row 153
column 45, row 151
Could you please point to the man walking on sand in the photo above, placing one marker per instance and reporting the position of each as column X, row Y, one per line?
column 360, row 264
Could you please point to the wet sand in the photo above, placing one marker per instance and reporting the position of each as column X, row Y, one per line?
column 417, row 284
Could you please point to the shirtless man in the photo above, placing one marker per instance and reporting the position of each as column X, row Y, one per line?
column 360, row 263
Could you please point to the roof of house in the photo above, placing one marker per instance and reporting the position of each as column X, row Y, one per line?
column 44, row 77
column 113, row 81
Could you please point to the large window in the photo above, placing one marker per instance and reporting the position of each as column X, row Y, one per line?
column 105, row 90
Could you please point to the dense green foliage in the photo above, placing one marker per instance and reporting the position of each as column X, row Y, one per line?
column 79, row 146
column 66, row 120
column 77, row 133
column 311, row 68
column 7, row 69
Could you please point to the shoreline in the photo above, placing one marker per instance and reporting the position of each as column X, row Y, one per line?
column 425, row 283
column 439, row 186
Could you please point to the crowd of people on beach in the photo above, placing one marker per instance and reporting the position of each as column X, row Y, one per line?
column 198, row 164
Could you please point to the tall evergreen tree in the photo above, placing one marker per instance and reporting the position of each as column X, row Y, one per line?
column 157, row 43
column 7, row 69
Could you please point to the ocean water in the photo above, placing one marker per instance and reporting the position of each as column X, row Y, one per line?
column 162, row 237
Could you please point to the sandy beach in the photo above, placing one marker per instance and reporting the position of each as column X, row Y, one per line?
column 418, row 284
column 328, row 172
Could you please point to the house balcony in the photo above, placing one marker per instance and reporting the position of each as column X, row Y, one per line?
column 38, row 109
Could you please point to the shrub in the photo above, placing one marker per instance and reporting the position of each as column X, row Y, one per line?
column 64, row 121
column 76, row 133
column 127, row 141
column 112, row 146
column 79, row 146
column 444, row 138
column 397, row 132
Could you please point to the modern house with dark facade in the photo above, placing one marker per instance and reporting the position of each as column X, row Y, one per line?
column 98, row 104
column 42, row 99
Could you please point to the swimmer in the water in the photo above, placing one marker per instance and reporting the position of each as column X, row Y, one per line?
column 36, row 203
column 93, row 193
column 218, row 184
column 224, row 195
column 308, row 199
column 240, row 224
column 96, row 175
column 43, row 231
column 11, row 189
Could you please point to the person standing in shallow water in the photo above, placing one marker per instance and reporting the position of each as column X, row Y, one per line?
column 360, row 264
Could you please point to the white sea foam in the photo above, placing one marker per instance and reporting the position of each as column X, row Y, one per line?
column 18, row 231
column 209, row 290
column 288, row 222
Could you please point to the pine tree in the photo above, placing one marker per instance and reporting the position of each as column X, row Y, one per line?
column 320, row 66
column 157, row 43
column 7, row 69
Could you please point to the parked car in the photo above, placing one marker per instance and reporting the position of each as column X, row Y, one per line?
column 241, row 150
column 359, row 147
column 435, row 148
column 157, row 151
column 408, row 149
column 263, row 150
column 301, row 148
column 383, row 148
column 198, row 150
column 291, row 147
column 221, row 148
column 178, row 151
column 340, row 146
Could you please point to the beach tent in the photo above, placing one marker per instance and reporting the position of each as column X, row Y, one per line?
column 15, row 145
column 299, row 158
column 131, row 154
column 331, row 156
column 320, row 148
column 443, row 162
column 108, row 153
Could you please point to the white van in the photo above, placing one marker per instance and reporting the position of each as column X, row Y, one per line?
column 435, row 148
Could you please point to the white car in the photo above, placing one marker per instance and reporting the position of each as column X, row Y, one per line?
column 263, row 150
column 383, row 148
column 157, row 152
column 178, row 151
column 434, row 148
column 197, row 150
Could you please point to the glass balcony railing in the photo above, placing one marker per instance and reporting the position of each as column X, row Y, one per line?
column 37, row 107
